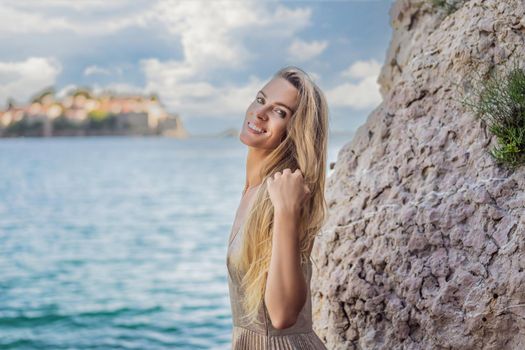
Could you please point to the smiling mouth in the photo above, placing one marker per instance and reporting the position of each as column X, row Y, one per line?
column 256, row 129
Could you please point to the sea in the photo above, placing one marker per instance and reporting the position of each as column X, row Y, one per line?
column 119, row 242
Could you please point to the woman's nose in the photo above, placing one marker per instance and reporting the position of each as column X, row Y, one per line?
column 261, row 112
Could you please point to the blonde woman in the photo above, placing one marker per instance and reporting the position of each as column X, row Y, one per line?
column 282, row 208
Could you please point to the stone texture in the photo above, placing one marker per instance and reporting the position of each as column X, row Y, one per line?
column 424, row 245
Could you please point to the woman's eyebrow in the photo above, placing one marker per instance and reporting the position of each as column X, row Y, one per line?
column 277, row 103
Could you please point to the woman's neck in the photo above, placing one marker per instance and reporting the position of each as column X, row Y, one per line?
column 254, row 163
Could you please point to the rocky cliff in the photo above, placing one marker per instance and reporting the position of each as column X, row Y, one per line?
column 424, row 246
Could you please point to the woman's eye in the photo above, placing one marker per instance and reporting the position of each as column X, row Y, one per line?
column 281, row 112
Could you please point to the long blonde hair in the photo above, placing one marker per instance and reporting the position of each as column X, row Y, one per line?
column 304, row 146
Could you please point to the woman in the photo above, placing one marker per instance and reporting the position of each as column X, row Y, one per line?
column 282, row 209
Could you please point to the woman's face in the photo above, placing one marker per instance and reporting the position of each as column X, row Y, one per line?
column 270, row 112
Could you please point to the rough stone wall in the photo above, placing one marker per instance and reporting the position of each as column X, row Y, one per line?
column 424, row 247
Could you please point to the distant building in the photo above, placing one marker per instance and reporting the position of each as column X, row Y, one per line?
column 82, row 113
column 134, row 123
column 172, row 126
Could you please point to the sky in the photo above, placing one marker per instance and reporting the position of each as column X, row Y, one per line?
column 206, row 59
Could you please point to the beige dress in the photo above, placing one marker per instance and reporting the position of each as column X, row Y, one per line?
column 263, row 336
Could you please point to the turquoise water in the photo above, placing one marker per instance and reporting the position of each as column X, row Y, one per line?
column 118, row 242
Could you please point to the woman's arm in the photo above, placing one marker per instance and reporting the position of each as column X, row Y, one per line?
column 286, row 288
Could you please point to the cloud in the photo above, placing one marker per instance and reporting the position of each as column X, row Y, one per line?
column 303, row 51
column 363, row 94
column 94, row 70
column 22, row 79
column 213, row 38
column 76, row 5
column 15, row 21
column 97, row 70
column 362, row 69
column 70, row 16
column 206, row 30
column 197, row 98
column 212, row 33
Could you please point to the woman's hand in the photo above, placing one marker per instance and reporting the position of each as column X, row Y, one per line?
column 287, row 191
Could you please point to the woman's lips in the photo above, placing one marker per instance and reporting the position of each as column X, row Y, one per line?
column 253, row 131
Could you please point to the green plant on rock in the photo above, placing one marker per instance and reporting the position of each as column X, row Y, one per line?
column 499, row 101
column 449, row 6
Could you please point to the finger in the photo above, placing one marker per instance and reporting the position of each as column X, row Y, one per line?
column 277, row 174
column 287, row 171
